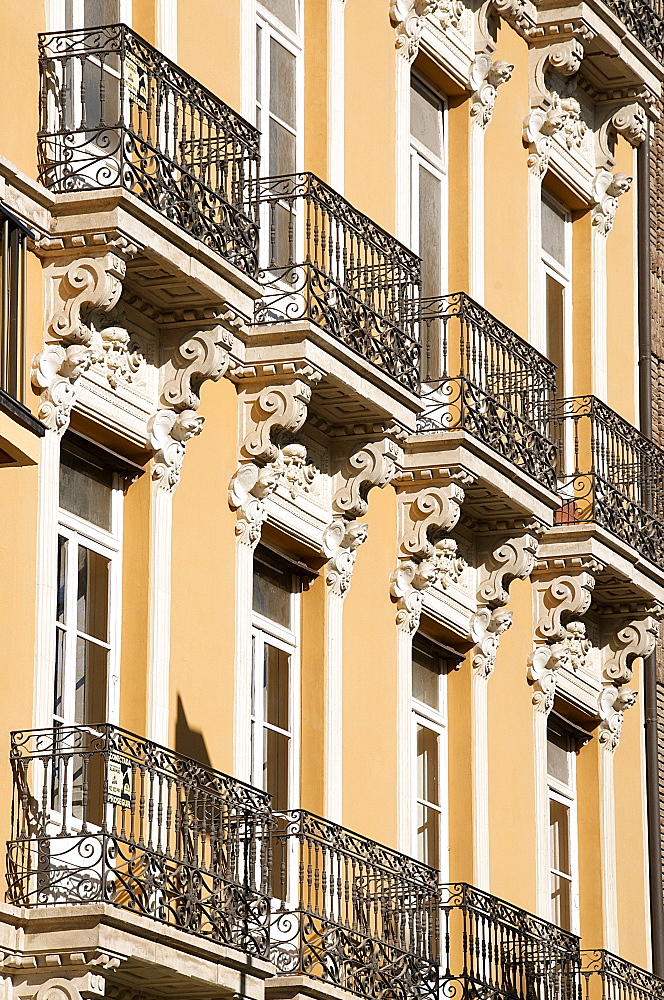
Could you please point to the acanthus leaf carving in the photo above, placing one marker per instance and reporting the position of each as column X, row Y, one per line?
column 199, row 357
column 633, row 639
column 566, row 596
column 486, row 627
column 486, row 75
column 612, row 704
column 607, row 188
column 278, row 409
column 340, row 544
column 578, row 645
column 543, row 665
column 373, row 464
column 550, row 113
column 55, row 371
column 407, row 16
column 413, row 576
column 512, row 559
column 168, row 433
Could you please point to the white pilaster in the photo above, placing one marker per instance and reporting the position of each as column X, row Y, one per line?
column 536, row 310
column 244, row 576
column 248, row 59
column 334, row 707
column 405, row 768
column 403, row 149
column 609, row 858
column 477, row 212
column 599, row 315
column 481, row 861
column 336, row 93
column 541, row 813
column 167, row 28
column 160, row 613
column 47, row 577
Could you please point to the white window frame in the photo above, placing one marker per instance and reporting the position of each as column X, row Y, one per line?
column 438, row 167
column 435, row 720
column 56, row 13
column 563, row 275
column 566, row 795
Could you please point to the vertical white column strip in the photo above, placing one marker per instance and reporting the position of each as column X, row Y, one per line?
column 476, row 181
column 536, row 312
column 248, row 59
column 334, row 708
column 481, row 860
column 404, row 740
column 160, row 613
column 403, row 149
column 167, row 28
column 600, row 375
column 608, row 827
column 336, row 94
column 541, row 814
column 244, row 575
column 47, row 573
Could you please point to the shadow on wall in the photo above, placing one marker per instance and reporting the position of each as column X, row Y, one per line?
column 189, row 742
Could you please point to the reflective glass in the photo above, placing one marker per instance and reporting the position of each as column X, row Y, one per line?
column 90, row 690
column 428, row 778
column 430, row 214
column 63, row 546
column 553, row 232
column 272, row 592
column 284, row 10
column 428, row 835
column 276, row 748
column 426, row 677
column 559, row 836
column 559, row 757
column 426, row 119
column 92, row 596
column 276, row 686
column 86, row 489
column 282, row 83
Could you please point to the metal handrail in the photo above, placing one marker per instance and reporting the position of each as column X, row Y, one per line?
column 608, row 977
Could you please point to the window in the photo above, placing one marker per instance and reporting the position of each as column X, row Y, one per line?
column 557, row 278
column 561, row 771
column 430, row 742
column 12, row 361
column 87, row 625
column 428, row 202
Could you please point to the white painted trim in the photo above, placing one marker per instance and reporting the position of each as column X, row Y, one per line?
column 608, row 850
column 476, row 204
column 47, row 571
column 541, row 814
column 334, row 707
column 336, row 95
column 160, row 614
column 55, row 14
column 536, row 294
column 644, row 829
column 167, row 28
column 635, row 284
column 480, row 763
column 248, row 59
column 405, row 762
column 600, row 373
column 402, row 208
column 436, row 721
column 244, row 577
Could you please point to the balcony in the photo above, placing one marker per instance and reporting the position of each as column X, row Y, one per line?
column 328, row 264
column 116, row 113
column 643, row 21
column 610, row 475
column 494, row 949
column 362, row 916
column 102, row 816
column 607, row 977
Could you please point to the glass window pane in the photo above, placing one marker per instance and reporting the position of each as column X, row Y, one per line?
column 282, row 150
column 430, row 214
column 426, row 677
column 63, row 546
column 85, row 488
column 559, row 836
column 276, row 747
column 428, row 835
column 276, row 686
column 553, row 232
column 561, row 900
column 282, row 83
column 92, row 596
column 428, row 784
column 558, row 757
column 98, row 12
column 58, row 682
column 273, row 587
column 555, row 328
column 259, row 62
column 90, row 691
column 426, row 119
column 284, row 10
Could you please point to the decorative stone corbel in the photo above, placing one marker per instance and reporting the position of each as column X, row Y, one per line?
column 510, row 560
column 340, row 544
column 633, row 638
column 566, row 596
column 486, row 75
column 407, row 16
column 449, row 13
column 372, row 464
column 249, row 487
column 613, row 703
column 578, row 645
column 486, row 627
column 55, row 371
column 278, row 410
column 551, row 113
column 168, row 433
column 431, row 513
column 543, row 665
column 628, row 120
column 607, row 188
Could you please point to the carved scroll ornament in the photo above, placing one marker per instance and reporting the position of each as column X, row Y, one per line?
column 607, row 188
column 613, row 703
column 511, row 560
column 373, row 464
column 543, row 664
column 486, row 76
column 340, row 544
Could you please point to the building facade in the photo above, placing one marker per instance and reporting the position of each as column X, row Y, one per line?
column 332, row 499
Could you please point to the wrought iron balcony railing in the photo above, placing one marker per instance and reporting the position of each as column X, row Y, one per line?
column 610, row 474
column 492, row 384
column 355, row 914
column 325, row 262
column 116, row 113
column 644, row 21
column 101, row 815
column 494, row 949
column 607, row 977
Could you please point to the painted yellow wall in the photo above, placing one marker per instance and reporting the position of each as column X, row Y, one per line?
column 582, row 291
column 588, row 792
column 316, row 68
column 312, row 689
column 369, row 680
column 458, row 140
column 19, row 78
column 209, row 46
column 202, row 588
column 460, row 773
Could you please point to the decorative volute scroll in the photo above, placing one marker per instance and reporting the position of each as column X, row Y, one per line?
column 634, row 638
column 628, row 120
column 486, row 627
column 543, row 664
column 427, row 556
column 566, row 596
column 87, row 286
column 341, row 541
column 486, row 75
column 551, row 113
column 613, row 703
column 607, row 188
column 168, row 433
column 407, row 16
column 510, row 560
column 278, row 409
column 372, row 464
